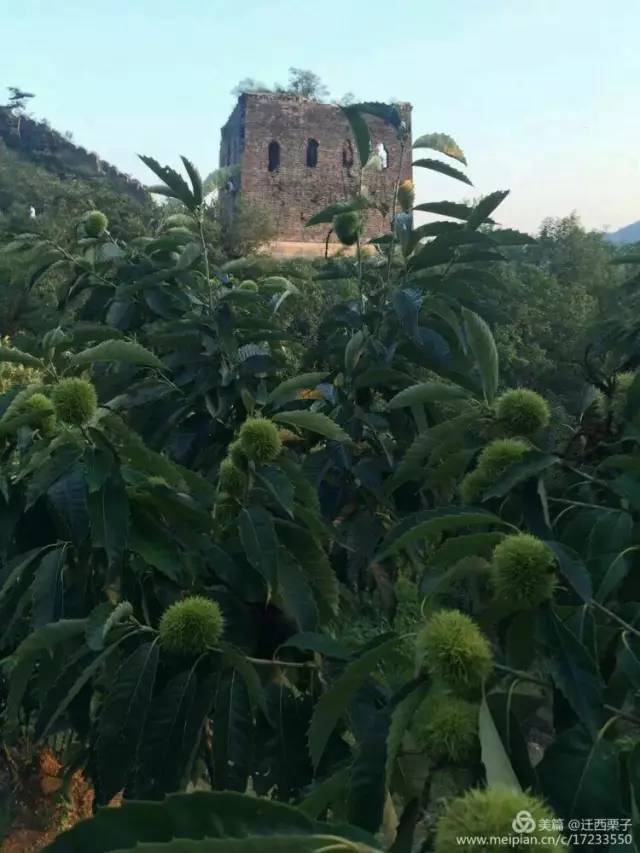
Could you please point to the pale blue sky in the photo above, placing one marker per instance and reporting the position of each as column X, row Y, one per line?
column 541, row 94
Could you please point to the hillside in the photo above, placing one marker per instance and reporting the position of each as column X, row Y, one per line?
column 628, row 234
column 42, row 169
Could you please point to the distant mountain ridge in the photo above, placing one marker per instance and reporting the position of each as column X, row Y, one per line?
column 628, row 234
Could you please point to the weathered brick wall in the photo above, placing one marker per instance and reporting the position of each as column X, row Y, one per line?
column 295, row 191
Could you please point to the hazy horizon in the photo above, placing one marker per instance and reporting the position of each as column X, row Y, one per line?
column 541, row 96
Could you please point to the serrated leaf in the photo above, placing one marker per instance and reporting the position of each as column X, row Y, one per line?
column 432, row 522
column 469, row 545
column 286, row 390
column 123, row 718
column 109, row 510
column 295, row 592
column 128, row 352
column 453, row 209
column 485, row 207
column 278, row 485
column 16, row 356
column 353, row 351
column 258, row 538
column 360, row 131
column 232, row 732
column 313, row 560
column 325, row 793
column 50, row 470
column 194, row 177
column 532, row 464
column 443, row 143
column 573, row 670
column 496, row 762
column 176, row 186
column 573, row 569
column 443, row 169
column 314, row 422
column 426, row 392
column 319, row 643
column 511, row 237
column 47, row 589
column 333, row 704
column 483, row 347
column 368, row 784
column 327, row 214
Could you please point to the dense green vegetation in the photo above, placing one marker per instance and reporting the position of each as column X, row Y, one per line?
column 324, row 560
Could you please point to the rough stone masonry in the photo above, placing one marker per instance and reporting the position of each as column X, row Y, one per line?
column 293, row 157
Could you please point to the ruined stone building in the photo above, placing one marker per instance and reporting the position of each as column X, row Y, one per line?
column 293, row 157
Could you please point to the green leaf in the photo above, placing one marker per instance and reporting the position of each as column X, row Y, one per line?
column 469, row 545
column 328, row 214
column 96, row 624
column 162, row 751
column 426, row 392
column 51, row 469
column 333, row 704
column 573, row 569
column 298, row 601
column 286, row 390
column 403, row 842
column 443, row 168
column 353, row 351
column 319, row 643
column 453, row 209
column 485, row 207
column 368, row 784
column 483, row 347
column 176, row 186
column 313, row 560
column 330, row 790
column 123, row 718
column 443, row 143
column 511, row 237
column 201, row 814
column 532, row 464
column 278, row 485
column 196, row 180
column 47, row 589
column 573, row 670
column 128, row 352
column 314, row 422
column 432, row 522
column 496, row 762
column 109, row 510
column 400, row 722
column 232, row 732
column 16, row 356
column 360, row 131
column 258, row 538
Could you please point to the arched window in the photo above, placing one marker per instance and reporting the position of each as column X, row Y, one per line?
column 274, row 156
column 383, row 154
column 312, row 153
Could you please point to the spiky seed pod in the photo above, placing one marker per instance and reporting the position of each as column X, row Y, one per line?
column 190, row 627
column 406, row 195
column 452, row 649
column 237, row 455
column 521, row 411
column 498, row 455
column 40, row 411
column 347, row 227
column 473, row 485
column 522, row 571
column 446, row 727
column 75, row 400
column 260, row 440
column 491, row 813
column 95, row 223
column 231, row 479
column 248, row 285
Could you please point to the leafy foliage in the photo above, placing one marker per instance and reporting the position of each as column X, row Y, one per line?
column 312, row 498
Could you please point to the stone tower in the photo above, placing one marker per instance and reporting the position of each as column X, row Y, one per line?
column 294, row 157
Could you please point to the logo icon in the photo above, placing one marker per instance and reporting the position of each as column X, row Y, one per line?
column 523, row 822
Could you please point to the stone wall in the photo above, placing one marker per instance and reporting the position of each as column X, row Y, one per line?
column 294, row 191
column 45, row 146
